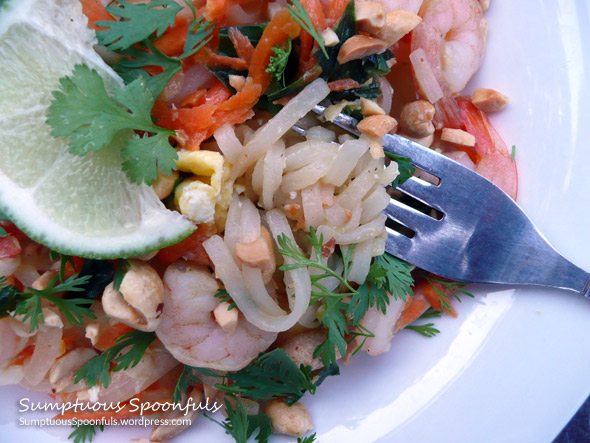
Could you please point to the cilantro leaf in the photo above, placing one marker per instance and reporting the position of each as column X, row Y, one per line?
column 83, row 112
column 97, row 369
column 271, row 375
column 335, row 321
column 405, row 167
column 139, row 21
column 186, row 379
column 242, row 426
column 309, row 439
column 224, row 297
column 83, row 433
column 200, row 33
column 130, row 67
column 100, row 273
column 3, row 232
column 29, row 303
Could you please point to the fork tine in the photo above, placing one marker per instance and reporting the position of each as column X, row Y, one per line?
column 409, row 217
column 422, row 191
column 421, row 156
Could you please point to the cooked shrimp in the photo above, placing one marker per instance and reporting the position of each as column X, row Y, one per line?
column 494, row 162
column 453, row 35
column 406, row 5
column 382, row 326
column 188, row 328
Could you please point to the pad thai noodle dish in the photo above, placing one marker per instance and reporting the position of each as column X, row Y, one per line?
column 179, row 225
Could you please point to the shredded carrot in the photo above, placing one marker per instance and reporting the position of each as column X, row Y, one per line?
column 414, row 308
column 191, row 247
column 195, row 99
column 96, row 12
column 213, row 59
column 200, row 122
column 432, row 297
column 242, row 44
column 343, row 84
column 108, row 338
column 173, row 40
column 23, row 355
column 318, row 19
column 334, row 11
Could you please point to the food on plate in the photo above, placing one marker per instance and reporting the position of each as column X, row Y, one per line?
column 166, row 237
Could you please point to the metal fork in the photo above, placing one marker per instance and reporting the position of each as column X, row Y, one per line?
column 483, row 235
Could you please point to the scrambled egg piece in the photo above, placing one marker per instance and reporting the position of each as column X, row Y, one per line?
column 205, row 197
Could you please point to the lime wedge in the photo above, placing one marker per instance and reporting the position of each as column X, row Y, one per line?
column 83, row 206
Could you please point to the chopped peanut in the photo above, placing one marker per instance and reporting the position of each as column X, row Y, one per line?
column 416, row 119
column 485, row 4
column 377, row 125
column 369, row 107
column 291, row 420
column 360, row 46
column 226, row 318
column 302, row 346
column 258, row 254
column 369, row 15
column 376, row 149
column 488, row 100
column 424, row 141
column 164, row 184
column 330, row 37
column 237, row 82
column 458, row 137
column 43, row 281
column 397, row 24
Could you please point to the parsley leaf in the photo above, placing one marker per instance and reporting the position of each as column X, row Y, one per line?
column 200, row 33
column 405, row 166
column 242, row 426
column 97, row 369
column 301, row 16
column 139, row 21
column 83, row 433
column 29, row 303
column 271, row 375
column 83, row 112
column 278, row 63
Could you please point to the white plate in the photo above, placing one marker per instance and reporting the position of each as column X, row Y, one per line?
column 514, row 365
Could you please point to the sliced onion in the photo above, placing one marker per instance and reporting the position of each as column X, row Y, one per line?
column 425, row 76
column 386, row 98
column 196, row 77
column 276, row 127
column 48, row 347
column 228, row 143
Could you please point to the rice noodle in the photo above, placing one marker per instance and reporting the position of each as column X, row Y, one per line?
column 361, row 261
column 302, row 154
column 425, row 76
column 258, row 177
column 354, row 220
column 276, row 127
column 257, row 290
column 306, row 176
column 336, row 215
column 233, row 230
column 346, row 159
column 274, row 163
column 249, row 221
column 229, row 273
column 320, row 133
column 313, row 209
column 228, row 143
column 374, row 203
column 47, row 349
column 360, row 186
column 369, row 230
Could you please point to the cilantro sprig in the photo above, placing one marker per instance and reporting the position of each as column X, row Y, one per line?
column 428, row 329
column 28, row 303
column 83, row 112
column 83, row 433
column 343, row 309
column 137, row 22
column 96, row 371
column 453, row 287
column 242, row 426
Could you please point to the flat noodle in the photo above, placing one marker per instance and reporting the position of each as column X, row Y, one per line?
column 345, row 161
column 274, row 163
column 228, row 143
column 313, row 209
column 306, row 176
column 369, row 230
column 249, row 221
column 361, row 261
column 276, row 127
column 375, row 202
